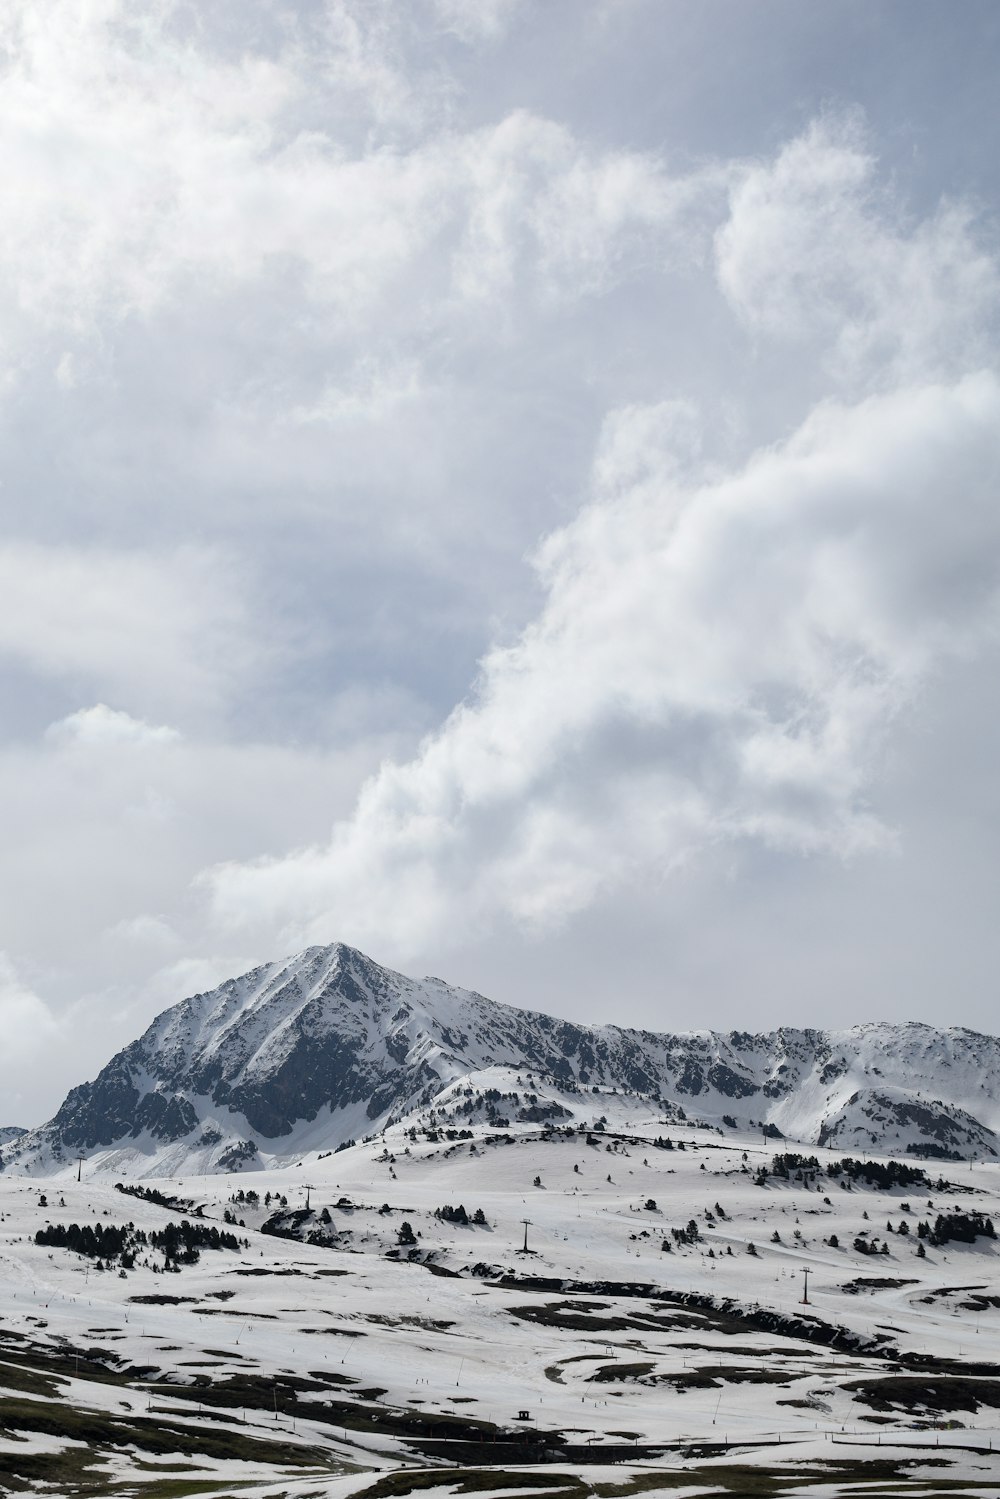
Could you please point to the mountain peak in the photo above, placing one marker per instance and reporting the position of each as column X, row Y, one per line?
column 328, row 1044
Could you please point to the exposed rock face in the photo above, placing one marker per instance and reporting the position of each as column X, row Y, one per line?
column 328, row 1045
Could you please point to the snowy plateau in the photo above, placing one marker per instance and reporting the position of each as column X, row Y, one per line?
column 330, row 1231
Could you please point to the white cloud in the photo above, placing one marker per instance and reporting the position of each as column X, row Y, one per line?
column 138, row 166
column 477, row 21
column 373, row 393
column 66, row 375
column 102, row 725
column 721, row 654
column 644, row 444
column 814, row 247
column 714, row 661
column 167, row 631
column 145, row 932
column 543, row 212
column 26, row 1023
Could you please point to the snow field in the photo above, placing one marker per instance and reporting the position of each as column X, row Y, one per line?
column 592, row 1364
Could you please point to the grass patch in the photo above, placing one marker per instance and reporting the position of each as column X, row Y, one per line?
column 743, row 1479
column 255, row 1392
column 84, row 1363
column 29, row 1381
column 909, row 1392
column 573, row 1316
column 730, row 1375
column 74, row 1470
column 160, row 1298
column 611, row 1373
column 473, row 1481
column 101, row 1430
column 173, row 1488
column 876, row 1283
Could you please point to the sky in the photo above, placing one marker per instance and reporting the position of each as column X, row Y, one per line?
column 511, row 485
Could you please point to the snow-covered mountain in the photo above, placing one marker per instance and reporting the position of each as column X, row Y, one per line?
column 302, row 1055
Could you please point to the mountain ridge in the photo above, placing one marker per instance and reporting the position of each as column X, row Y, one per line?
column 309, row 1052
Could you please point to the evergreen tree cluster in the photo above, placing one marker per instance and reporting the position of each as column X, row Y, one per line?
column 182, row 1242
column 957, row 1227
column 791, row 1166
column 448, row 1214
column 870, row 1246
column 98, row 1241
column 150, row 1194
column 690, row 1234
column 883, row 1174
column 108, row 1243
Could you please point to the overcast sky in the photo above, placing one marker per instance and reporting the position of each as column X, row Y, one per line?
column 513, row 485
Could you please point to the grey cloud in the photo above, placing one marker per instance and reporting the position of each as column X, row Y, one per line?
column 548, row 448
